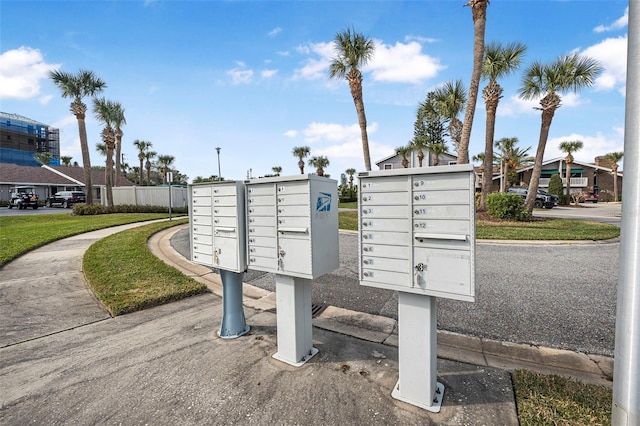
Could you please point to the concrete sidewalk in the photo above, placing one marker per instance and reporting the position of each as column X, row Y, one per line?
column 63, row 359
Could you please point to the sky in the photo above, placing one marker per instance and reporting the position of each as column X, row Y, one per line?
column 251, row 77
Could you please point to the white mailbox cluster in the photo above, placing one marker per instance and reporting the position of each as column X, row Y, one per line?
column 217, row 218
column 417, row 231
column 292, row 225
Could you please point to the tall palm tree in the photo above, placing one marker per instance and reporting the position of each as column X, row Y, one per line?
column 119, row 120
column 43, row 157
column 546, row 81
column 319, row 162
column 569, row 147
column 350, row 172
column 505, row 147
column 148, row 155
column 499, row 61
column 451, row 98
column 517, row 158
column 479, row 15
column 614, row 158
column 277, row 170
column 436, row 150
column 66, row 160
column 403, row 151
column 353, row 51
column 165, row 162
column 142, row 146
column 77, row 86
column 105, row 112
column 301, row 152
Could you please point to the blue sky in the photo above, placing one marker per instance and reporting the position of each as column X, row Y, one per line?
column 251, row 77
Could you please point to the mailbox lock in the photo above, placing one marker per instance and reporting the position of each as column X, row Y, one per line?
column 420, row 267
column 281, row 252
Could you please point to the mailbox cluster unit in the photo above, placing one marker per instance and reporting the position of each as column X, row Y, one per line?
column 417, row 231
column 292, row 227
column 217, row 218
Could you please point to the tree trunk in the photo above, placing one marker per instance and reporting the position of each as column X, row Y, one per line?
column 355, row 84
column 479, row 13
column 301, row 166
column 492, row 95
column 86, row 159
column 568, row 180
column 615, row 182
column 118, row 154
column 141, row 178
column 545, row 124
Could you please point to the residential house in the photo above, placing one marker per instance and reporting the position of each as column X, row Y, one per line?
column 395, row 161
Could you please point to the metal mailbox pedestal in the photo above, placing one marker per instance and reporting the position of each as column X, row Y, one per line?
column 218, row 240
column 417, row 236
column 292, row 226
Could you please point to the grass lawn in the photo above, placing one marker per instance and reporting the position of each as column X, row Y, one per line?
column 127, row 277
column 19, row 234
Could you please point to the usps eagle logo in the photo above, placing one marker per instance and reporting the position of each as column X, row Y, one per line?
column 324, row 202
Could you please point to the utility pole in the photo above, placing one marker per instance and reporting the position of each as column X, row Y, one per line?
column 626, row 371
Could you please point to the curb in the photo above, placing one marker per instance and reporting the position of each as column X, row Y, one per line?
column 596, row 369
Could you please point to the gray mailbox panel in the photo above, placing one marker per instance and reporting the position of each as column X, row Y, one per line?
column 292, row 225
column 417, row 230
column 217, row 225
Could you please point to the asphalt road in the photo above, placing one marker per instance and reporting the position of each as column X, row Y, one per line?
column 560, row 296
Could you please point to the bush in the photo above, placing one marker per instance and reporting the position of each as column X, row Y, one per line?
column 93, row 209
column 503, row 205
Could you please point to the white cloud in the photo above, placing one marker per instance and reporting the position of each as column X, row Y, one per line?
column 420, row 39
column 240, row 76
column 398, row 63
column 612, row 54
column 291, row 133
column 283, row 53
column 619, row 23
column 515, row 105
column 403, row 63
column 44, row 100
column 331, row 132
column 21, row 71
column 274, row 32
column 268, row 73
column 593, row 146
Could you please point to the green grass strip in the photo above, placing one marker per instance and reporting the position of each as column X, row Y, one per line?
column 127, row 277
column 556, row 400
column 20, row 234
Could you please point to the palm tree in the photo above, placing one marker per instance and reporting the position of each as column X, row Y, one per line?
column 404, row 151
column 567, row 73
column 118, row 121
column 479, row 15
column 277, row 170
column 350, row 172
column 569, row 148
column 517, row 158
column 353, row 51
column 101, row 148
column 319, row 162
column 301, row 152
column 105, row 112
column 66, row 160
column 506, row 147
column 148, row 155
column 165, row 162
column 43, row 157
column 499, row 61
column 450, row 98
column 77, row 86
column 142, row 146
column 614, row 158
column 436, row 150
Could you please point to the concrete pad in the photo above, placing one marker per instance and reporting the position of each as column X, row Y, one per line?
column 167, row 366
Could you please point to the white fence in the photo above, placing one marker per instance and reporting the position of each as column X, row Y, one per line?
column 575, row 182
column 147, row 196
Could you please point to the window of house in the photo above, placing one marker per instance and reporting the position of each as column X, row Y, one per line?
column 388, row 166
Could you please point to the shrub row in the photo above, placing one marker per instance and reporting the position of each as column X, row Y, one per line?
column 93, row 209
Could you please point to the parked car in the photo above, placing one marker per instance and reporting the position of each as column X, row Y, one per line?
column 23, row 197
column 543, row 198
column 66, row 199
column 591, row 197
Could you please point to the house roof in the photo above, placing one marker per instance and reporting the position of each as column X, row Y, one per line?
column 13, row 174
column 413, row 150
column 580, row 163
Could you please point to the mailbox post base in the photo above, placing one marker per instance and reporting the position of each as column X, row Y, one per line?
column 293, row 308
column 417, row 352
column 233, row 321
